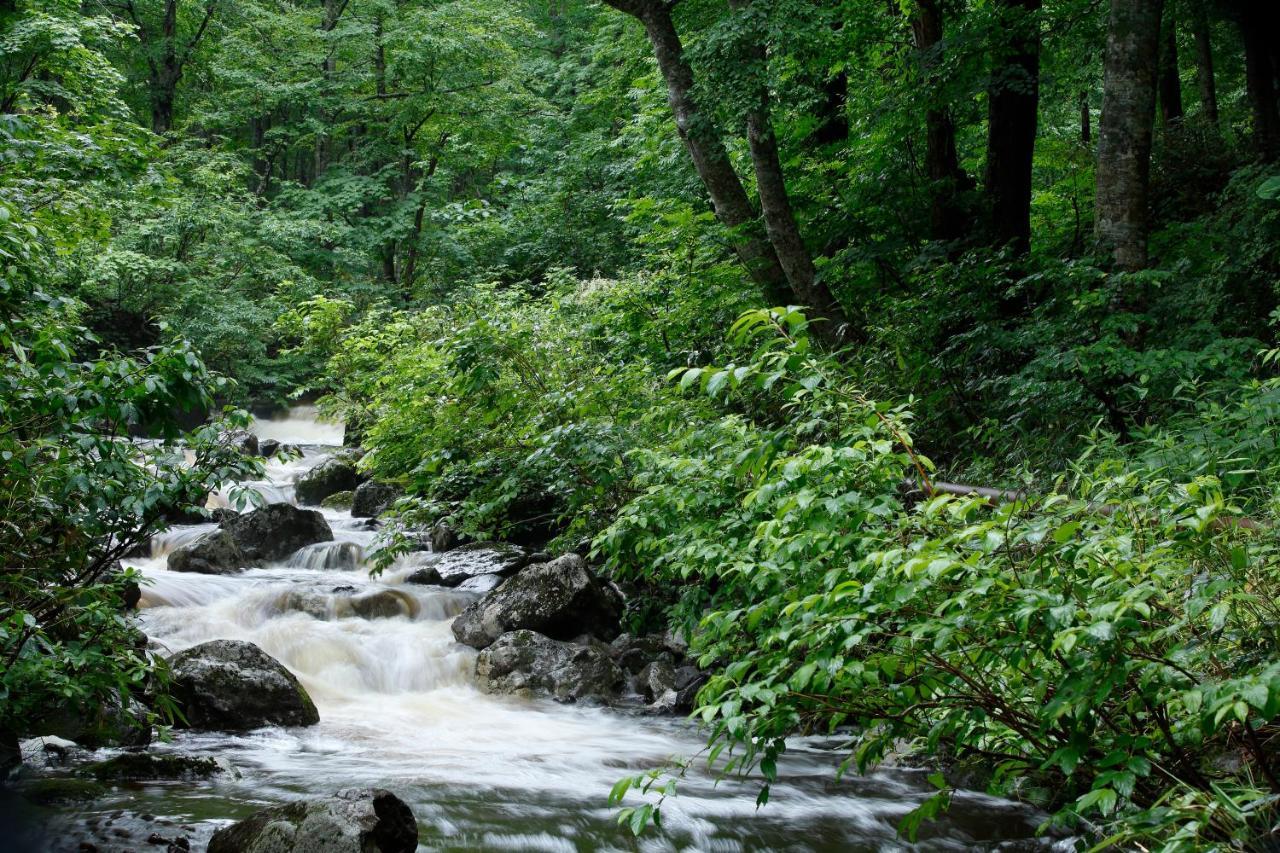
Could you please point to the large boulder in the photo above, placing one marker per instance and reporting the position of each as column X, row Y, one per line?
column 268, row 447
column 231, row 685
column 243, row 440
column 335, row 474
column 525, row 663
column 355, row 820
column 214, row 553
column 275, row 531
column 372, row 499
column 561, row 599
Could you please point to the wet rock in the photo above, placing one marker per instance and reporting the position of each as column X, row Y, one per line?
column 355, row 820
column 476, row 560
column 634, row 653
column 231, row 685
column 275, row 531
column 339, row 500
column 687, row 696
column 444, row 537
column 327, row 555
column 110, row 723
column 373, row 498
column 243, row 440
column 526, row 663
column 656, row 682
column 336, row 474
column 383, row 604
column 481, row 583
column 268, row 447
column 561, row 599
column 429, row 577
column 214, row 553
column 139, row 766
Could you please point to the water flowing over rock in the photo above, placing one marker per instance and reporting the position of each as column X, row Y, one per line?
column 336, row 474
column 372, row 499
column 327, row 555
column 355, row 820
column 231, row 685
column 525, row 663
column 275, row 531
column 214, row 553
column 477, row 560
column 561, row 599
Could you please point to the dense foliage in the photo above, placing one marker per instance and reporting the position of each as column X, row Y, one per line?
column 522, row 249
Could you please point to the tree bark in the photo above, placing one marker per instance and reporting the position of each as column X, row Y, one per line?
column 1086, row 120
column 827, row 318
column 1013, row 105
column 1170, row 81
column 1206, row 82
column 946, row 218
column 1257, row 30
column 1124, row 132
column 702, row 140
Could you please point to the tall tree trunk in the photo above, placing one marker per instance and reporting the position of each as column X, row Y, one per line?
column 827, row 317
column 1086, row 120
column 1170, row 80
column 702, row 140
column 1205, row 79
column 1013, row 104
column 833, row 124
column 946, row 218
column 1124, row 133
column 1257, row 30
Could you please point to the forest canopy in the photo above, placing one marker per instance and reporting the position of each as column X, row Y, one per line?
column 718, row 292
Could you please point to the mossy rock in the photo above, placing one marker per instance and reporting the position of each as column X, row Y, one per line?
column 138, row 766
column 60, row 791
column 339, row 500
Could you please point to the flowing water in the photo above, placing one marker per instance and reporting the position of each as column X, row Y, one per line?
column 398, row 709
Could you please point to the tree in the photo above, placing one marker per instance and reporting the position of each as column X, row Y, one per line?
column 1258, row 21
column 1125, row 130
column 946, row 215
column 1013, row 101
column 1206, row 80
column 1170, row 80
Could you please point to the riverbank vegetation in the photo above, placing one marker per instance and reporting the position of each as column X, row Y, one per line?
column 717, row 291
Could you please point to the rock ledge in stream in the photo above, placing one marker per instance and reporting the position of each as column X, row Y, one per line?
column 355, row 820
column 214, row 553
column 231, row 685
column 275, row 531
column 561, row 599
column 525, row 663
column 372, row 499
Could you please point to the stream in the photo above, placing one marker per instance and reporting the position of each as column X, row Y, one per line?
column 398, row 710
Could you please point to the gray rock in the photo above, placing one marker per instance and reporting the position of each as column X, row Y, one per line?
column 657, row 682
column 275, row 531
column 214, row 553
column 686, row 675
column 243, row 440
column 687, row 696
column 231, row 685
column 383, row 604
column 481, row 583
column 268, row 447
column 336, row 474
column 110, row 723
column 634, row 653
column 355, row 820
column 525, row 663
column 560, row 599
column 444, row 537
column 430, row 577
column 372, row 499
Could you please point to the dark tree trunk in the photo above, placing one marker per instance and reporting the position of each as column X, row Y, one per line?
column 1205, row 79
column 833, row 125
column 1170, row 81
column 1124, row 133
column 706, row 148
column 1013, row 102
column 946, row 218
column 1257, row 24
column 1086, row 120
column 827, row 317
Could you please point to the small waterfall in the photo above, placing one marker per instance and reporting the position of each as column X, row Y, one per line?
column 343, row 556
column 163, row 543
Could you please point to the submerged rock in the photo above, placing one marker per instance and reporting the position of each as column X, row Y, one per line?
column 372, row 499
column 561, row 599
column 231, row 685
column 275, row 531
column 214, row 553
column 336, row 474
column 525, row 663
column 355, row 820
